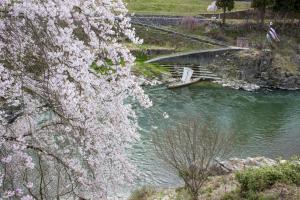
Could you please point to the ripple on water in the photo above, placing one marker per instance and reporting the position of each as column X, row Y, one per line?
column 264, row 123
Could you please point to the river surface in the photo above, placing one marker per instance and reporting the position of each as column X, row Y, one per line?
column 265, row 123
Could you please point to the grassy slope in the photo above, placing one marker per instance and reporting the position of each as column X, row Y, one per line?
column 175, row 7
column 278, row 182
column 284, row 54
column 162, row 39
column 147, row 70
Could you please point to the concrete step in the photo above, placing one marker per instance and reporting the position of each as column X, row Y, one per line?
column 204, row 72
column 209, row 78
column 195, row 70
column 202, row 77
column 208, row 75
column 199, row 72
column 208, row 72
column 203, row 68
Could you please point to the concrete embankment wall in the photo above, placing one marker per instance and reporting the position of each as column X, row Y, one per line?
column 194, row 58
column 243, row 14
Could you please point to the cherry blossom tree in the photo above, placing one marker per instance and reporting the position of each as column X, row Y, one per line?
column 64, row 129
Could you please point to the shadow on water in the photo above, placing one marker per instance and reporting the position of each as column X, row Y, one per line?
column 264, row 123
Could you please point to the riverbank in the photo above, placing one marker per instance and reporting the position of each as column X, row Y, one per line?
column 268, row 66
column 273, row 180
column 263, row 123
column 248, row 70
column 259, row 67
column 266, row 69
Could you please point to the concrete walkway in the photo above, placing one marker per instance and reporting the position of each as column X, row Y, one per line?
column 201, row 57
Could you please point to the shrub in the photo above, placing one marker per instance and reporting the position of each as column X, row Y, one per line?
column 142, row 194
column 218, row 34
column 190, row 149
column 258, row 179
column 236, row 195
column 189, row 23
column 183, row 194
column 233, row 195
column 255, row 180
column 251, row 195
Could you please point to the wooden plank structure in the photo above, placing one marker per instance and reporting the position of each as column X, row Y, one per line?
column 182, row 84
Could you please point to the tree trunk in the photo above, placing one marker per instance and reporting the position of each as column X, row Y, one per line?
column 224, row 15
column 195, row 195
column 262, row 16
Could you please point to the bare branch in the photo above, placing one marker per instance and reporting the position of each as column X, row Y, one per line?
column 190, row 149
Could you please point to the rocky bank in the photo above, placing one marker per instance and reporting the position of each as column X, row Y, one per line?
column 263, row 68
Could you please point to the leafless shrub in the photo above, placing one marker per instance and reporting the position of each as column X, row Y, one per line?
column 189, row 23
column 190, row 149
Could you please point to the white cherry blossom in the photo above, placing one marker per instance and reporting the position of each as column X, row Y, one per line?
column 64, row 128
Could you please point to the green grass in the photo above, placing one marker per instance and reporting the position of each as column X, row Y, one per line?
column 140, row 68
column 148, row 70
column 175, row 7
column 143, row 193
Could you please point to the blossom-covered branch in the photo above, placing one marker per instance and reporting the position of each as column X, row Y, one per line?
column 60, row 123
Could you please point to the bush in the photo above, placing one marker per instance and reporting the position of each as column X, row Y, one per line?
column 236, row 195
column 142, row 194
column 190, row 149
column 189, row 23
column 230, row 196
column 255, row 180
column 255, row 196
column 183, row 194
column 218, row 34
column 258, row 179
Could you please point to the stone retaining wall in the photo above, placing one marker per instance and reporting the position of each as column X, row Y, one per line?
column 251, row 14
column 161, row 20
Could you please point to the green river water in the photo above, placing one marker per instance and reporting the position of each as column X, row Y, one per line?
column 265, row 123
